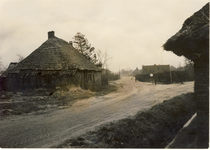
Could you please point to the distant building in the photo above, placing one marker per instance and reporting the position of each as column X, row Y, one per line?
column 155, row 73
column 153, row 69
column 136, row 71
column 56, row 63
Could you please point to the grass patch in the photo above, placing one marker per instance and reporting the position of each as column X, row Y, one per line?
column 153, row 128
column 188, row 135
column 106, row 89
column 40, row 99
column 17, row 108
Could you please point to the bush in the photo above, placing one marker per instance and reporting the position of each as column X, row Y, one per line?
column 177, row 76
column 109, row 76
column 113, row 76
column 143, row 77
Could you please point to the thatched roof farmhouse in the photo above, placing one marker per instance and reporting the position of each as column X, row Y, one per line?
column 55, row 63
column 192, row 41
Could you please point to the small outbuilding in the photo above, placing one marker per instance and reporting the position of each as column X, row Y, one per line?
column 56, row 63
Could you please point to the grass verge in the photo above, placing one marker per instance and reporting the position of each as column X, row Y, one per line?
column 42, row 100
column 153, row 128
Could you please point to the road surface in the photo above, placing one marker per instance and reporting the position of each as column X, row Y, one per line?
column 51, row 129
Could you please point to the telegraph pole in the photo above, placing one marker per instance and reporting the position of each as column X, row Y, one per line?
column 170, row 74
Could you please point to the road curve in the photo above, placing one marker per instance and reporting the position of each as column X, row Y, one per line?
column 47, row 130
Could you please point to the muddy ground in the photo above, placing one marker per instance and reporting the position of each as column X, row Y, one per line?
column 44, row 101
column 58, row 120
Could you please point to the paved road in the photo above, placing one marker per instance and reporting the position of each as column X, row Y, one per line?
column 47, row 130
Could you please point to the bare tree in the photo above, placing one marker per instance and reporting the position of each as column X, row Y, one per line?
column 172, row 68
column 83, row 46
column 103, row 58
column 180, row 68
column 188, row 62
column 100, row 57
column 189, row 67
column 20, row 57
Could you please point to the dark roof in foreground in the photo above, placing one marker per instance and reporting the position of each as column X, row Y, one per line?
column 192, row 40
column 55, row 54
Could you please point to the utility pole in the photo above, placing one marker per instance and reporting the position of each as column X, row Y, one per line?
column 170, row 74
column 119, row 73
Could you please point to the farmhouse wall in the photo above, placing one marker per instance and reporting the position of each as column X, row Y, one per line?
column 97, row 76
column 65, row 81
column 201, row 89
column 11, row 82
column 89, row 79
column 30, row 80
column 1, row 84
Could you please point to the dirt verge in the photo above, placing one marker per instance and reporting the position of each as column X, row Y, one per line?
column 42, row 101
column 153, row 128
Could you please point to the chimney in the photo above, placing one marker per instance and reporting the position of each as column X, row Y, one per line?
column 51, row 34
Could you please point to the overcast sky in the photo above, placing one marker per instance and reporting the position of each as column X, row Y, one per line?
column 132, row 31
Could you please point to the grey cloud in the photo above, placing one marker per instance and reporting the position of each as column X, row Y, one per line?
column 132, row 31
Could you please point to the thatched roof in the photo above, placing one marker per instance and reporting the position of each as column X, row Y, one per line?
column 55, row 54
column 192, row 40
column 11, row 66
